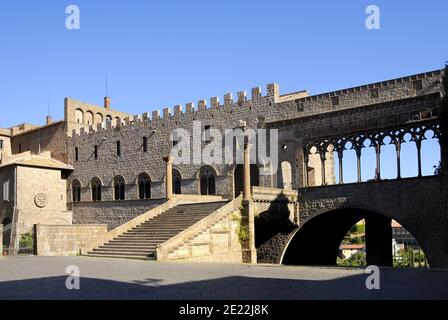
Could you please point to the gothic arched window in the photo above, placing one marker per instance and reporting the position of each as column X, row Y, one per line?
column 119, row 188
column 76, row 191
column 207, row 181
column 96, row 189
column 144, row 186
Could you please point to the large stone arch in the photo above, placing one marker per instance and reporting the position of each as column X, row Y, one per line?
column 403, row 200
column 316, row 241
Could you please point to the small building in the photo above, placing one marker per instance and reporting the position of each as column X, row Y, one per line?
column 32, row 191
column 348, row 250
column 403, row 238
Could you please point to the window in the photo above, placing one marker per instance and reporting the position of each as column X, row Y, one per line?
column 96, row 152
column 207, row 137
column 76, row 154
column 335, row 101
column 119, row 187
column 96, row 189
column 144, row 186
column 20, row 148
column 1, row 145
column 118, row 149
column 76, row 191
column 145, row 144
column 6, row 191
column 417, row 85
column 299, row 105
column 175, row 139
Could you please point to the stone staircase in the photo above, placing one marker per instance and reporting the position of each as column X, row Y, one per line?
column 141, row 241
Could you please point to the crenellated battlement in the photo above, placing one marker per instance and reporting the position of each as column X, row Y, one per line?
column 301, row 102
column 368, row 87
column 272, row 92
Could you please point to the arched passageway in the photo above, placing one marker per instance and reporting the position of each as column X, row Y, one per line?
column 238, row 177
column 318, row 240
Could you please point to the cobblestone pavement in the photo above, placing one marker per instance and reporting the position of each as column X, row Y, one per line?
column 45, row 278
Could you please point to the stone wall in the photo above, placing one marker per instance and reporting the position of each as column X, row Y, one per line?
column 258, row 111
column 7, row 207
column 76, row 114
column 111, row 213
column 1, row 241
column 65, row 240
column 51, row 138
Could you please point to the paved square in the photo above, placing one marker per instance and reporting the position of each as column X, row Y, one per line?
column 44, row 278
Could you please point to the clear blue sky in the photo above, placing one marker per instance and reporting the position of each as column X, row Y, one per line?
column 161, row 53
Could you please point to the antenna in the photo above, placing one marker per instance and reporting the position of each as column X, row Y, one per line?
column 48, row 106
column 107, row 87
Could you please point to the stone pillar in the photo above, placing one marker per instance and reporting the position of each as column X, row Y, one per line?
column 341, row 172
column 398, row 149
column 1, row 241
column 322, row 165
column 248, row 214
column 306, row 159
column 419, row 156
column 378, row 161
column 247, row 193
column 248, row 220
column 358, row 157
column 379, row 241
column 169, row 177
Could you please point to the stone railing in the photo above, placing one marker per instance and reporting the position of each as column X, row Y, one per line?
column 262, row 194
column 214, row 238
column 151, row 214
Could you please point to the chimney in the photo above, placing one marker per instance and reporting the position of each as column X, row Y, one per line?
column 107, row 103
column 49, row 120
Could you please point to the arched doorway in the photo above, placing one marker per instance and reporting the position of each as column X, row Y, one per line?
column 318, row 241
column 177, row 182
column 238, row 178
column 207, row 178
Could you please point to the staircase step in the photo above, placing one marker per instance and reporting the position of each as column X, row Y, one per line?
column 125, row 250
column 141, row 242
column 119, row 256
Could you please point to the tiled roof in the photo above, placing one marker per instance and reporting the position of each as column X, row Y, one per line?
column 37, row 161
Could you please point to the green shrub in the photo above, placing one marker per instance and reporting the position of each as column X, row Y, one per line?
column 26, row 240
column 243, row 233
